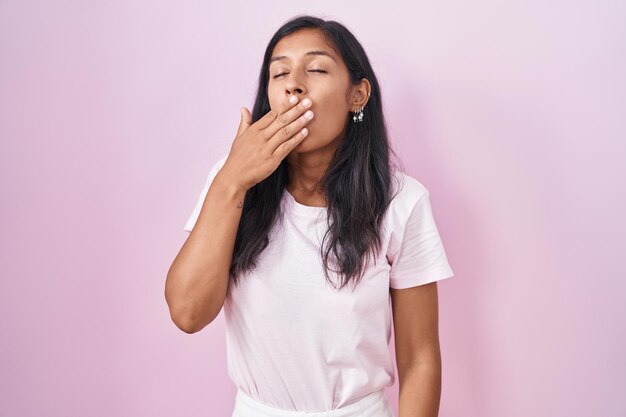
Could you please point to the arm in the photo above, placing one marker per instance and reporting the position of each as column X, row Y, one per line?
column 197, row 280
column 415, row 318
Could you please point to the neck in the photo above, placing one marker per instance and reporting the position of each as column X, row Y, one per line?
column 307, row 169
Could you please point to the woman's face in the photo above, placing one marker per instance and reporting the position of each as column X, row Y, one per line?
column 298, row 73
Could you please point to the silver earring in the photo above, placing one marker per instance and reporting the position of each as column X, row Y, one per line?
column 360, row 116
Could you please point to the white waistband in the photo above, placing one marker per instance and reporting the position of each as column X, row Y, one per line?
column 247, row 406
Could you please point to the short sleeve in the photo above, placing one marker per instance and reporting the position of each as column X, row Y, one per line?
column 418, row 257
column 193, row 217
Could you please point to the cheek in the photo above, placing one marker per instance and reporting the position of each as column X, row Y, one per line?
column 272, row 96
column 332, row 109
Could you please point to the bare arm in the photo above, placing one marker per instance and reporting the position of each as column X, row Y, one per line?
column 415, row 316
column 197, row 280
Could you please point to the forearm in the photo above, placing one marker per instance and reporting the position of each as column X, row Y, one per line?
column 420, row 390
column 197, row 281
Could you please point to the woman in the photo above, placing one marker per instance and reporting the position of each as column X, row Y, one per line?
column 306, row 234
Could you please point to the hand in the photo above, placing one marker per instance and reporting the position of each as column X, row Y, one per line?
column 259, row 148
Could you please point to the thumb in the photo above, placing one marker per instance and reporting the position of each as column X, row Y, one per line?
column 245, row 122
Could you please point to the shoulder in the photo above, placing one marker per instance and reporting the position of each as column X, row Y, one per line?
column 408, row 191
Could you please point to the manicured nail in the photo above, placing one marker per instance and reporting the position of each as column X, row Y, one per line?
column 306, row 102
column 293, row 99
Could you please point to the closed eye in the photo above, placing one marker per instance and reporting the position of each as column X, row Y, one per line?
column 279, row 75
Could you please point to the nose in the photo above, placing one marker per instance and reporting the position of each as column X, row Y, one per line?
column 295, row 87
column 296, row 92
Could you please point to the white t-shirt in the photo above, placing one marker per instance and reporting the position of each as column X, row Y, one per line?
column 294, row 342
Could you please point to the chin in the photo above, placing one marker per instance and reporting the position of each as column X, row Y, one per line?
column 304, row 146
column 301, row 146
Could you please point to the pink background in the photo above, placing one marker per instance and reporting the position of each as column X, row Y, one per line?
column 112, row 112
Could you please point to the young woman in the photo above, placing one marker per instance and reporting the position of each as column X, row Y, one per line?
column 307, row 234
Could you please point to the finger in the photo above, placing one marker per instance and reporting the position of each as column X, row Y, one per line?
column 286, row 105
column 266, row 120
column 245, row 121
column 286, row 147
column 284, row 119
column 292, row 129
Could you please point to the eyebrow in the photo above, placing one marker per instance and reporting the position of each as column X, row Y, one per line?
column 318, row 52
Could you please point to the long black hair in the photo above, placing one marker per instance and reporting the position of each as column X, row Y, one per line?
column 357, row 183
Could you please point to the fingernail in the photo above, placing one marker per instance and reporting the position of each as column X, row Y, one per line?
column 293, row 99
column 306, row 102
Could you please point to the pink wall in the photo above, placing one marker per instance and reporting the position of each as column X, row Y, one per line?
column 111, row 113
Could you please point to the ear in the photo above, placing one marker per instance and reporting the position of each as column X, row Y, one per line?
column 360, row 95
